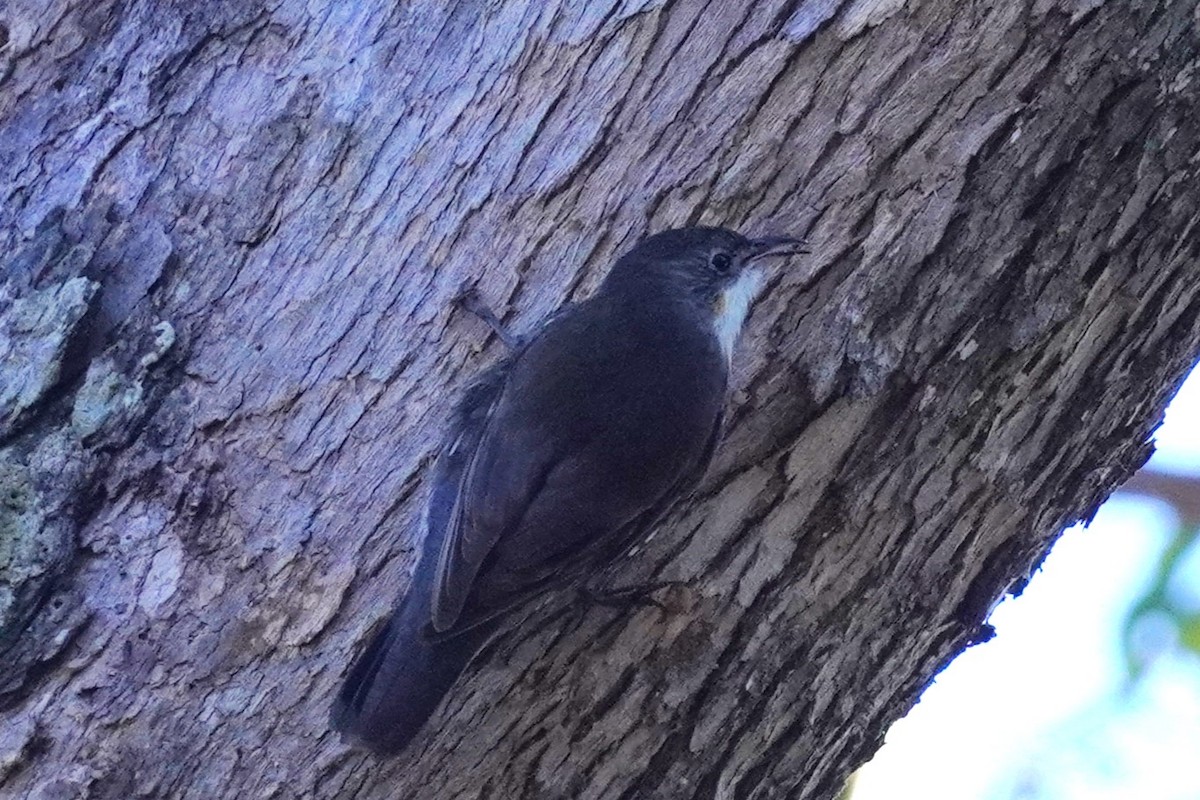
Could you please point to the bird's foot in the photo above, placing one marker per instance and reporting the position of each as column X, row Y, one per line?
column 638, row 595
column 468, row 300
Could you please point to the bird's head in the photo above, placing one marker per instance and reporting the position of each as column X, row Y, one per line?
column 716, row 268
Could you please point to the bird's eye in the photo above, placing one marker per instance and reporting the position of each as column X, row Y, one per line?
column 721, row 262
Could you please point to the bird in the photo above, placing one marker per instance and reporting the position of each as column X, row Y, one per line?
column 557, row 459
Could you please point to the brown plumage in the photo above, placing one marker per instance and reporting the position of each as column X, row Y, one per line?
column 558, row 459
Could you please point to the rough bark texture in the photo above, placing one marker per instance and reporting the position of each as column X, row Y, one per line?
column 230, row 231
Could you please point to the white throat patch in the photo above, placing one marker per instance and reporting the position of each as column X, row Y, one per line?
column 732, row 306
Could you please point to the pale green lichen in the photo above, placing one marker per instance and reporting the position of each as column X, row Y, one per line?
column 104, row 392
column 38, row 489
column 164, row 338
column 21, row 549
column 16, row 495
column 107, row 392
column 33, row 341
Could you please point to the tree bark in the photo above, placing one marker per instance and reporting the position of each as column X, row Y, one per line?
column 230, row 236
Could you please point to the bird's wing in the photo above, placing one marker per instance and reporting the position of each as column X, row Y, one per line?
column 530, row 504
column 678, row 490
column 505, row 495
column 506, row 470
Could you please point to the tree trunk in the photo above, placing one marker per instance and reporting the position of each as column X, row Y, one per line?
column 231, row 232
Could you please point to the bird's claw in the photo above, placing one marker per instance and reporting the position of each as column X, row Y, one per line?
column 637, row 595
column 468, row 300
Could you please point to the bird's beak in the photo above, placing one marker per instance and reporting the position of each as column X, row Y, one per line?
column 769, row 246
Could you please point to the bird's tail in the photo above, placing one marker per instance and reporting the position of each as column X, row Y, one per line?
column 401, row 676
